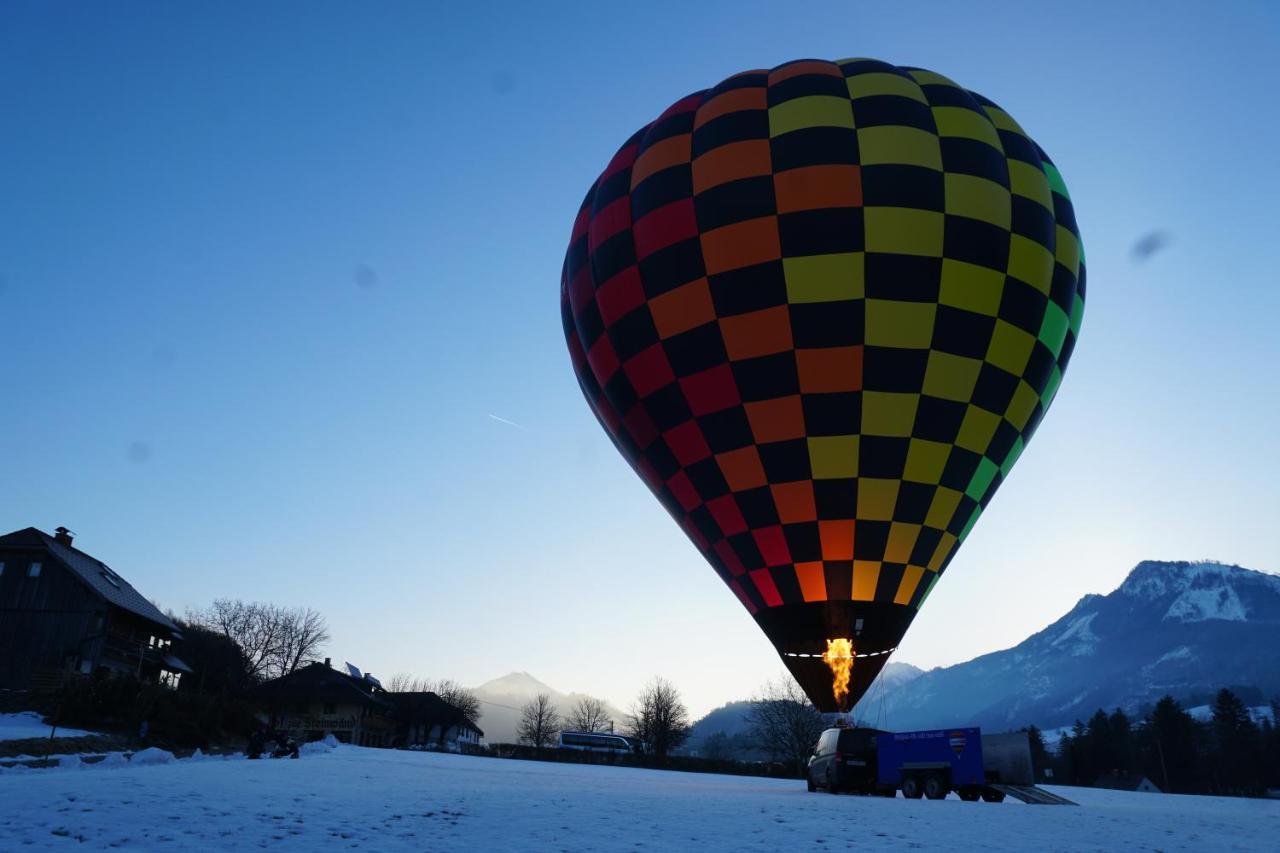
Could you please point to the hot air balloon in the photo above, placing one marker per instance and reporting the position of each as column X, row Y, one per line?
column 821, row 309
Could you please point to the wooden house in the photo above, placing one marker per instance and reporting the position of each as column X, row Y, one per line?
column 64, row 612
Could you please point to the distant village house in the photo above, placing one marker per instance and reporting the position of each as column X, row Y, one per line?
column 64, row 612
column 317, row 699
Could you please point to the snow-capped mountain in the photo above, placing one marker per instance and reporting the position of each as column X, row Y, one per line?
column 502, row 698
column 1182, row 628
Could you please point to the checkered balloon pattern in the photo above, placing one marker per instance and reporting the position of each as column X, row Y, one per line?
column 821, row 310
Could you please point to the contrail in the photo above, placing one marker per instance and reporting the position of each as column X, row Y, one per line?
column 505, row 421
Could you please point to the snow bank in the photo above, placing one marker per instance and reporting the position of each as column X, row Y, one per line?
column 392, row 800
column 318, row 747
column 198, row 755
column 69, row 761
column 152, row 755
column 28, row 724
column 114, row 759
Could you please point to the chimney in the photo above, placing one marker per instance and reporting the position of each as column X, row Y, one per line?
column 328, row 662
column 62, row 536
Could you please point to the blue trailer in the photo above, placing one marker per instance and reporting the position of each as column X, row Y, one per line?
column 933, row 763
column 929, row 764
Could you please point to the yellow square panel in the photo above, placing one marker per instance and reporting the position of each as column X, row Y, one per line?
column 833, row 456
column 893, row 143
column 1023, row 404
column 963, row 122
column 1002, row 120
column 867, row 85
column 943, row 508
column 824, row 278
column 907, row 587
column 904, row 230
column 866, row 574
column 931, row 78
column 951, row 377
column 902, row 539
column 978, row 198
column 1030, row 262
column 1010, row 348
column 904, row 325
column 1068, row 250
column 1030, row 181
column 971, row 287
column 876, row 499
column 940, row 554
column 977, row 429
column 926, row 461
column 810, row 111
column 888, row 413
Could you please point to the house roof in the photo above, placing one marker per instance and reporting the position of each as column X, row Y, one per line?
column 96, row 574
column 427, row 706
column 319, row 682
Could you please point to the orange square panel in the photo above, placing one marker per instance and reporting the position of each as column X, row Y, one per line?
column 837, row 539
column 829, row 370
column 742, row 244
column 779, row 419
column 757, row 333
column 747, row 159
column 682, row 309
column 794, row 501
column 813, row 187
column 742, row 469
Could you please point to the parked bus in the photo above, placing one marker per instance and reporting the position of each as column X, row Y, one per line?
column 598, row 742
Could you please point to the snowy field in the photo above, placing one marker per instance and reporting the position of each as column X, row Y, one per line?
column 28, row 725
column 370, row 799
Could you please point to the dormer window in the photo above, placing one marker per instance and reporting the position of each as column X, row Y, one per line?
column 33, row 571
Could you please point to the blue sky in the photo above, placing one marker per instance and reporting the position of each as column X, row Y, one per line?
column 267, row 273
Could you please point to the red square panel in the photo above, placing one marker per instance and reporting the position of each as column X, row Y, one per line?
column 603, row 360
column 729, row 557
column 687, row 443
column 772, row 545
column 712, row 390
column 664, row 227
column 682, row 489
column 649, row 370
column 767, row 588
column 619, row 295
column 727, row 514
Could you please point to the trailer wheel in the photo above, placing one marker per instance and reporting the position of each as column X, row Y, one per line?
column 990, row 795
column 911, row 788
column 969, row 795
column 808, row 781
column 934, row 787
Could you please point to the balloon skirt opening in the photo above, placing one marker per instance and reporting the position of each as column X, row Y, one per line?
column 800, row 632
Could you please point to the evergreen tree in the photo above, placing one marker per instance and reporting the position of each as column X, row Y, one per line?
column 1171, row 758
column 1237, row 742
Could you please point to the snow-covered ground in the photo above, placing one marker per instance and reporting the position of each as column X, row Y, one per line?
column 392, row 800
column 28, row 725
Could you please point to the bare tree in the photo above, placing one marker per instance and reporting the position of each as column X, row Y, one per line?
column 539, row 721
column 302, row 636
column 275, row 640
column 457, row 696
column 784, row 723
column 589, row 714
column 251, row 626
column 659, row 718
column 403, row 682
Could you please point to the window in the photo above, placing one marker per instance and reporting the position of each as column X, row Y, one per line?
column 34, row 570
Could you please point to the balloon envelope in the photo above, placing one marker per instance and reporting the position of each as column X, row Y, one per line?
column 821, row 309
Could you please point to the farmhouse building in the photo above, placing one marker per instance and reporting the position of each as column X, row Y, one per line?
column 64, row 612
column 317, row 699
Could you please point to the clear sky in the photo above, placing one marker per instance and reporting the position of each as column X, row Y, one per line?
column 275, row 277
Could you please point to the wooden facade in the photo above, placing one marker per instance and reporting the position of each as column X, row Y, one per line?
column 63, row 613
